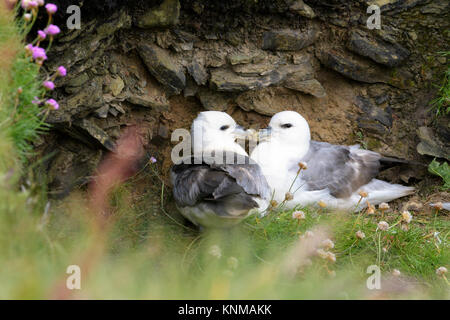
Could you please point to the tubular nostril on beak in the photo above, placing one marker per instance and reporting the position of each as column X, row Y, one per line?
column 264, row 134
column 240, row 132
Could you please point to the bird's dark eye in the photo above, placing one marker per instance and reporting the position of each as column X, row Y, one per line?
column 286, row 125
column 223, row 128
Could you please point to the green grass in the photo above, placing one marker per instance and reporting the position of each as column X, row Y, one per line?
column 145, row 251
column 20, row 119
column 441, row 105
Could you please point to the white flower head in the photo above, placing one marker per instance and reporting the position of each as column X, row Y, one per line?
column 303, row 165
column 331, row 257
column 322, row 253
column 383, row 206
column 441, row 271
column 300, row 215
column 233, row 263
column 288, row 196
column 406, row 216
column 360, row 234
column 383, row 225
column 396, row 273
column 363, row 194
column 309, row 234
column 328, row 244
column 215, row 251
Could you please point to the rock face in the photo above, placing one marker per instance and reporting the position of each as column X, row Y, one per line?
column 155, row 64
column 431, row 145
column 162, row 67
column 215, row 101
column 373, row 118
column 379, row 51
column 359, row 69
column 289, row 40
column 265, row 101
column 312, row 87
column 226, row 80
column 165, row 15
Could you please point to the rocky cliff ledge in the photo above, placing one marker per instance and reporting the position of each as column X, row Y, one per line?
column 158, row 63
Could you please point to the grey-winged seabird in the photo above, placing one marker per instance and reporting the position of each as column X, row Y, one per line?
column 219, row 185
column 336, row 175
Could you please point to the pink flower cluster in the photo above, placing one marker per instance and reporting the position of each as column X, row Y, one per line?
column 38, row 54
column 31, row 4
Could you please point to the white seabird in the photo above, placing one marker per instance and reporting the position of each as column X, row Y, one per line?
column 219, row 185
column 335, row 174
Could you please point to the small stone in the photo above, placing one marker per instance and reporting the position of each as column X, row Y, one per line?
column 237, row 58
column 161, row 66
column 102, row 112
column 117, row 86
column 158, row 103
column 254, row 70
column 302, row 9
column 312, row 87
column 198, row 72
column 413, row 205
column 413, row 35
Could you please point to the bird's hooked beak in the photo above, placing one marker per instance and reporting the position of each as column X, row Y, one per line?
column 240, row 133
column 265, row 134
column 253, row 135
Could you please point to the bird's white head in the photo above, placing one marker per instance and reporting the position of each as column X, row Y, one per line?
column 215, row 130
column 289, row 128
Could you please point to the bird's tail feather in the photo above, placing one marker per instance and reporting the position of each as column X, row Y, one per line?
column 380, row 191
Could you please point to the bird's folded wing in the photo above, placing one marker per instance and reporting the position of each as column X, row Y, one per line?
column 210, row 181
column 341, row 169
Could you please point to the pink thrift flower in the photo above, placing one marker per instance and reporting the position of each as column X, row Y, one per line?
column 152, row 159
column 42, row 35
column 25, row 4
column 32, row 4
column 36, row 100
column 29, row 48
column 52, row 30
column 62, row 71
column 49, row 85
column 39, row 54
column 40, row 2
column 52, row 103
column 51, row 8
column 27, row 17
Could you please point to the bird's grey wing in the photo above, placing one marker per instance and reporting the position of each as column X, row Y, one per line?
column 249, row 176
column 341, row 169
column 203, row 182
